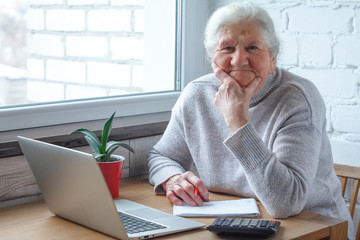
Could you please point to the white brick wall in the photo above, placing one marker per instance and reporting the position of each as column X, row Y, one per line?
column 309, row 44
column 327, row 81
column 81, row 91
column 309, row 19
column 47, row 2
column 127, row 2
column 46, row 45
column 139, row 21
column 109, row 20
column 321, row 42
column 346, row 119
column 36, row 68
column 65, row 71
column 109, row 74
column 84, row 48
column 127, row 48
column 65, row 20
column 35, row 91
column 346, row 50
column 35, row 19
column 87, row 2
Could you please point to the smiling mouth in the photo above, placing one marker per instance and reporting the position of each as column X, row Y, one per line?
column 243, row 70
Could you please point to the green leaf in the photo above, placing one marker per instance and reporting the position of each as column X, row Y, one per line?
column 112, row 150
column 119, row 144
column 101, row 157
column 106, row 132
column 93, row 144
column 88, row 133
column 103, row 149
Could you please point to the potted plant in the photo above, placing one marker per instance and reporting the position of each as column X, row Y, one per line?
column 110, row 164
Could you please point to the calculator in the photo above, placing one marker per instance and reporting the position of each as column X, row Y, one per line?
column 256, row 227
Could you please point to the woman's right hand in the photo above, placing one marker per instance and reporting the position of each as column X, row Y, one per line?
column 232, row 100
column 182, row 187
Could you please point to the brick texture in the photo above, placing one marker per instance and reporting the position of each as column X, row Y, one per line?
column 84, row 48
column 320, row 41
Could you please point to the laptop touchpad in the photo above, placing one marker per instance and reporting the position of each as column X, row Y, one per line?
column 147, row 213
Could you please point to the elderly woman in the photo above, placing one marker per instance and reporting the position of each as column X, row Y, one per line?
column 251, row 129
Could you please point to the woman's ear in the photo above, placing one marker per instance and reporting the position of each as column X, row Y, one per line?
column 272, row 64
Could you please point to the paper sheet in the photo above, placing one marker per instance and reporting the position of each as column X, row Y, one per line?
column 242, row 208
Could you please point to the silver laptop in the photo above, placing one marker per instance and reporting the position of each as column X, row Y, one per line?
column 74, row 188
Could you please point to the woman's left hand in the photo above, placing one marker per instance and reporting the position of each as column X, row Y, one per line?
column 187, row 187
column 232, row 100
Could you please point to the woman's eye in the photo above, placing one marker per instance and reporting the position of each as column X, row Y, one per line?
column 253, row 48
column 228, row 48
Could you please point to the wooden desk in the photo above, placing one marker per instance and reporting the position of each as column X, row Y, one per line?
column 35, row 221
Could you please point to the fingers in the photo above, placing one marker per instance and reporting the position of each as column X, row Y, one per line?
column 253, row 85
column 177, row 194
column 247, row 92
column 233, row 101
column 172, row 197
column 221, row 74
column 199, row 185
column 182, row 188
column 249, row 80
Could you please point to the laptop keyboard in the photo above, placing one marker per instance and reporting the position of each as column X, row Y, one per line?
column 134, row 224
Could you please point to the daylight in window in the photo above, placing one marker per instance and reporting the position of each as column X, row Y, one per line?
column 64, row 50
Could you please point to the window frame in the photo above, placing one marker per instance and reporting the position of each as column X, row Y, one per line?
column 190, row 53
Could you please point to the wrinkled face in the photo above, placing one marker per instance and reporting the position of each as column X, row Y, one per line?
column 243, row 53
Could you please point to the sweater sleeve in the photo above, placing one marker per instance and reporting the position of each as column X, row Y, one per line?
column 281, row 171
column 170, row 156
column 280, row 179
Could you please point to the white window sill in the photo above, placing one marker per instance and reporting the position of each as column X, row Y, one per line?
column 123, row 128
column 96, row 125
column 74, row 112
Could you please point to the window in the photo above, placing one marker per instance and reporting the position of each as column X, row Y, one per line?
column 85, row 59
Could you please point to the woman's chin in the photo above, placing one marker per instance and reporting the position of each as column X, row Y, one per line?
column 243, row 77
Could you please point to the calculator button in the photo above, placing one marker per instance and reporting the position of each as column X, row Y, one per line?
column 264, row 223
column 253, row 223
column 228, row 221
column 219, row 221
column 236, row 222
column 272, row 223
column 246, row 222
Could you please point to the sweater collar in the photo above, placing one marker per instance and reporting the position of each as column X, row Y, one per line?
column 271, row 83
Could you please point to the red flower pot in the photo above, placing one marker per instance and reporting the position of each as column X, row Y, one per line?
column 112, row 174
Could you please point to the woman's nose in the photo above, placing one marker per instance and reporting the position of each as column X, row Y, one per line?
column 239, row 58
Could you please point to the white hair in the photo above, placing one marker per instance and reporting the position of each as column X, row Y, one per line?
column 235, row 13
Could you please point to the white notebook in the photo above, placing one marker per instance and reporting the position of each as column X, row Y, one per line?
column 246, row 207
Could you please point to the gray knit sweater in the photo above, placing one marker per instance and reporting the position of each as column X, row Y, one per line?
column 282, row 157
